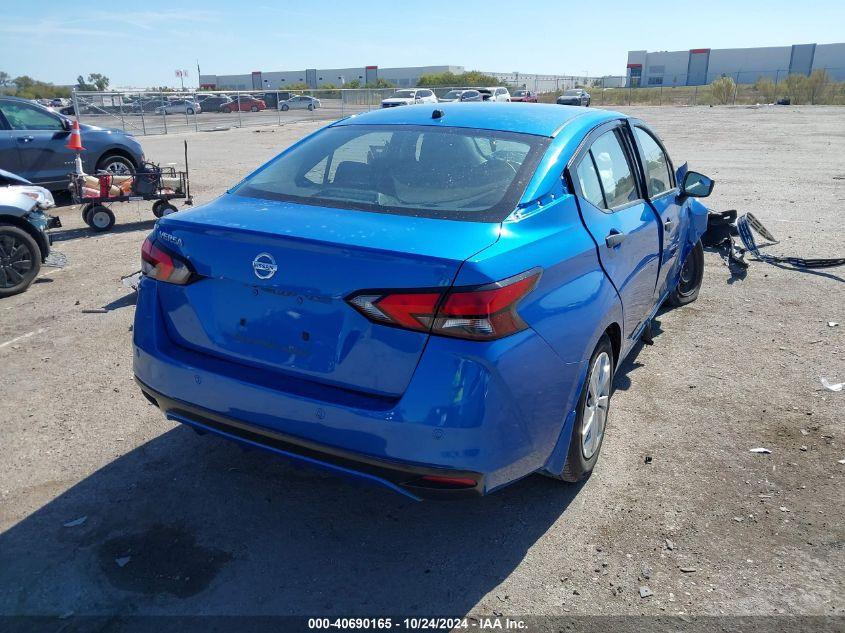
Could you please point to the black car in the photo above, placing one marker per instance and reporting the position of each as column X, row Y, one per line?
column 24, row 241
column 576, row 97
column 213, row 103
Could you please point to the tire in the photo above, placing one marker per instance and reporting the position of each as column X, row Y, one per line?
column 584, row 448
column 226, row 110
column 162, row 208
column 285, row 107
column 102, row 219
column 116, row 165
column 254, row 109
column 690, row 279
column 86, row 213
column 20, row 260
column 189, row 111
column 311, row 107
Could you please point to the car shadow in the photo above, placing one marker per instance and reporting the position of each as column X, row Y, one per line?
column 622, row 378
column 126, row 227
column 186, row 525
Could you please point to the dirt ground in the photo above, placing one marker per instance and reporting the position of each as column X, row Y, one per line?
column 677, row 503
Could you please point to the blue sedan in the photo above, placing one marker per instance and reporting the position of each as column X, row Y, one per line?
column 432, row 299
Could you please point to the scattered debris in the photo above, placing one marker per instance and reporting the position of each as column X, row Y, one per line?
column 94, row 311
column 804, row 432
column 648, row 459
column 131, row 281
column 645, row 592
column 646, row 572
column 76, row 522
column 832, row 324
column 832, row 386
column 784, row 509
column 122, row 561
column 762, row 450
column 841, row 461
column 689, row 570
column 670, row 545
column 738, row 519
column 803, row 448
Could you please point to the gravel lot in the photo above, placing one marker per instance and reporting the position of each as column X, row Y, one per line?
column 707, row 526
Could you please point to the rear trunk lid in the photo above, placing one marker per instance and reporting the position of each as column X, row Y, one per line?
column 276, row 275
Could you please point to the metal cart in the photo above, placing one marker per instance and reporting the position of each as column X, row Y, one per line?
column 149, row 182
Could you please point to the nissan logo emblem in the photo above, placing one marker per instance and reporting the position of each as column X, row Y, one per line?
column 264, row 266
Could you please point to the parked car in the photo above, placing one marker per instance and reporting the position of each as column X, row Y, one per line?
column 58, row 103
column 180, row 106
column 214, row 103
column 575, row 96
column 24, row 238
column 435, row 299
column 244, row 103
column 302, row 102
column 460, row 95
column 495, row 94
column 33, row 139
column 525, row 96
column 409, row 97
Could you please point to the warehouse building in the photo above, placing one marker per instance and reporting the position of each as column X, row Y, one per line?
column 315, row 77
column 401, row 77
column 700, row 66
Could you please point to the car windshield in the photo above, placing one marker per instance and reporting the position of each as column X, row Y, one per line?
column 520, row 93
column 404, row 94
column 449, row 173
column 452, row 94
column 572, row 93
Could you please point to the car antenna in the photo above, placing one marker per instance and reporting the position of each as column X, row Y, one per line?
column 437, row 114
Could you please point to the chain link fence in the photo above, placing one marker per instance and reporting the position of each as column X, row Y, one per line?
column 151, row 112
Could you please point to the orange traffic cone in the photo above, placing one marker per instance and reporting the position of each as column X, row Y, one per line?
column 75, row 140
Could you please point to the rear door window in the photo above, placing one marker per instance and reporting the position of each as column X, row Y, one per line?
column 588, row 179
column 614, row 171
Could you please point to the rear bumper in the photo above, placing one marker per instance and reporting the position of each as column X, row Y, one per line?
column 491, row 411
column 402, row 478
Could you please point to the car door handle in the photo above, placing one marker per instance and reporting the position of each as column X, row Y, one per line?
column 26, row 139
column 614, row 238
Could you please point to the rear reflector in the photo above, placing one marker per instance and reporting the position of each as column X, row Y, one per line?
column 478, row 313
column 163, row 266
column 437, row 481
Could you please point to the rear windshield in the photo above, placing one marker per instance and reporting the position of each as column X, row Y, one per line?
column 449, row 173
column 572, row 93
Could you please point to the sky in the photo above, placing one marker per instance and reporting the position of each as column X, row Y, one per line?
column 142, row 44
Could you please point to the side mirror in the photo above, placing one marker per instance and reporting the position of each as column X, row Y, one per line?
column 697, row 185
column 67, row 125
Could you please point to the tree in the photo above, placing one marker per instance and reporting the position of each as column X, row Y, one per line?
column 723, row 90
column 355, row 83
column 4, row 79
column 767, row 89
column 379, row 83
column 473, row 78
column 816, row 85
column 96, row 81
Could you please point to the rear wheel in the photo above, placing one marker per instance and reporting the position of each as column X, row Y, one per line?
column 190, row 110
column 285, row 107
column 691, row 278
column 254, row 109
column 592, row 414
column 311, row 106
column 20, row 260
column 102, row 219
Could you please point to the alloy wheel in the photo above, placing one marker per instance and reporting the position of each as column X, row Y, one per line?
column 116, row 168
column 596, row 406
column 15, row 261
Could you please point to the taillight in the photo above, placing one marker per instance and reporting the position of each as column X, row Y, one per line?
column 161, row 265
column 478, row 313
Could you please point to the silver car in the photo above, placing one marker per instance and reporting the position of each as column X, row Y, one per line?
column 180, row 106
column 301, row 102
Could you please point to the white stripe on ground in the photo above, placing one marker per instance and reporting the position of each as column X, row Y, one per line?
column 22, row 336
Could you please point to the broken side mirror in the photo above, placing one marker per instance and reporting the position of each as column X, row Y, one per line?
column 697, row 185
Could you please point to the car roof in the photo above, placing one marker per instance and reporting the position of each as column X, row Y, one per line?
column 538, row 119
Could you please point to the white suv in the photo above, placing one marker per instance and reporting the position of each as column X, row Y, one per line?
column 409, row 97
column 495, row 94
